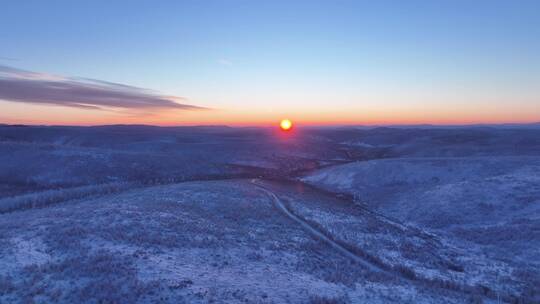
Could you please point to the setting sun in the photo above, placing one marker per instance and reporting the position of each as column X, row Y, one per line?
column 285, row 125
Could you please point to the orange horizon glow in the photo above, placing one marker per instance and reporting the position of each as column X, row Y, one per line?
column 266, row 123
column 48, row 115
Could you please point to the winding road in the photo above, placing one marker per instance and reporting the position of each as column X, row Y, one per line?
column 315, row 232
column 347, row 253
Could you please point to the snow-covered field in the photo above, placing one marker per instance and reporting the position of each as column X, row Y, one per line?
column 139, row 214
column 198, row 242
column 484, row 205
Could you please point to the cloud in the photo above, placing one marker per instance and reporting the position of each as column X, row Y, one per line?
column 39, row 88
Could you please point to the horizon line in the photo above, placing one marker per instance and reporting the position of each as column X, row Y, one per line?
column 308, row 125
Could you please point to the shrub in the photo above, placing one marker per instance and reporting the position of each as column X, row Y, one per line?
column 49, row 197
column 6, row 285
column 316, row 299
column 405, row 271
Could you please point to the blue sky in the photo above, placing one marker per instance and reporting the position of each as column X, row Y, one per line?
column 316, row 61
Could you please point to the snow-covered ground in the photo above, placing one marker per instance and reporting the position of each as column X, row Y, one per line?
column 199, row 242
column 140, row 214
column 488, row 206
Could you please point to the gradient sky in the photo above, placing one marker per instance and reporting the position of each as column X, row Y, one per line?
column 255, row 62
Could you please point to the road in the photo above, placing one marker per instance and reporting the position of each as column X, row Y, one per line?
column 315, row 232
column 468, row 290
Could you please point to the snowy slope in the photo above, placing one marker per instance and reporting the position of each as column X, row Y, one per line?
column 485, row 204
column 198, row 242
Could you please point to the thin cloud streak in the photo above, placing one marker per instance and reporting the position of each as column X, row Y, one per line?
column 39, row 88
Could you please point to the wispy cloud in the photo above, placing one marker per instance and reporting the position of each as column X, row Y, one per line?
column 18, row 85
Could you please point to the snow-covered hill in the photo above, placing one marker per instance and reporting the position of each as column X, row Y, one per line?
column 141, row 214
column 488, row 204
column 199, row 242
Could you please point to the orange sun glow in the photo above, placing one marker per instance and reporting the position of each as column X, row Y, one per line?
column 285, row 125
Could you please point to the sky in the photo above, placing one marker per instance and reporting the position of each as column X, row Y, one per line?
column 255, row 62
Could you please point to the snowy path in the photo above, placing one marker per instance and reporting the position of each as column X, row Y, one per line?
column 356, row 258
column 316, row 232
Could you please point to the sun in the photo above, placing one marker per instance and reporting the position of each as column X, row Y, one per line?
column 285, row 125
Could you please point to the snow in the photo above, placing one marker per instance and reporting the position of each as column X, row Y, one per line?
column 455, row 205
